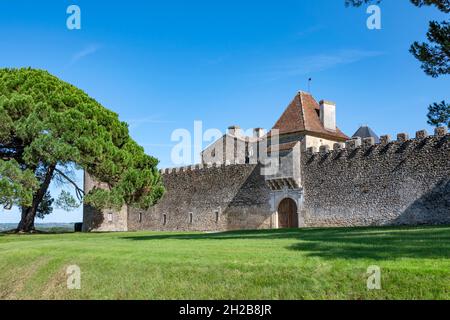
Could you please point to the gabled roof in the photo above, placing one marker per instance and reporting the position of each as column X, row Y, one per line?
column 303, row 116
column 366, row 132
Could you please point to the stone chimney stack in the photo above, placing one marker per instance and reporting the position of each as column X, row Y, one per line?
column 328, row 115
column 258, row 132
column 234, row 131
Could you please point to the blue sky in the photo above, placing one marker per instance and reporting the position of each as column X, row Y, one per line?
column 162, row 65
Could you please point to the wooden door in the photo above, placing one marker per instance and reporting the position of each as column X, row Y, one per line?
column 287, row 214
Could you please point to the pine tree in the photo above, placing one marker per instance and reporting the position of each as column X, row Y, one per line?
column 48, row 129
column 434, row 55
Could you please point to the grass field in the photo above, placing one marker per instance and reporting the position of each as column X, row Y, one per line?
column 275, row 264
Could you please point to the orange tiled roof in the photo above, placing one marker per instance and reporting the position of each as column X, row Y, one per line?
column 302, row 115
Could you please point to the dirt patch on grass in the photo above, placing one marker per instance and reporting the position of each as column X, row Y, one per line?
column 56, row 286
column 18, row 279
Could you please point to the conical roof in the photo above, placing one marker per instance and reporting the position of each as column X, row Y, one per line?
column 366, row 132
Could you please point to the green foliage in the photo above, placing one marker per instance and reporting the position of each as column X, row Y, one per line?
column 45, row 206
column 435, row 55
column 439, row 114
column 47, row 122
column 443, row 5
column 66, row 201
column 16, row 185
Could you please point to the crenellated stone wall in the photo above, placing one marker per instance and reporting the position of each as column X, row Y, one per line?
column 359, row 183
column 406, row 181
column 208, row 198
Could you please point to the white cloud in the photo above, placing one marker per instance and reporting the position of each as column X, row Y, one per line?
column 321, row 62
column 135, row 123
column 89, row 50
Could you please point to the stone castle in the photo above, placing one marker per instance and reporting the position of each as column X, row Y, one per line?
column 323, row 178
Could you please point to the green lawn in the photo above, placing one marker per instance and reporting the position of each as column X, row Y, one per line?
column 275, row 264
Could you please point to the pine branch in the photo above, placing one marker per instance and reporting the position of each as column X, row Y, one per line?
column 79, row 192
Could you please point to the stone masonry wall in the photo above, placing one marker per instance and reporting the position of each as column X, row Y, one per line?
column 216, row 198
column 405, row 182
column 105, row 220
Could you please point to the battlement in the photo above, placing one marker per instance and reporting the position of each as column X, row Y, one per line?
column 361, row 183
column 200, row 167
column 369, row 143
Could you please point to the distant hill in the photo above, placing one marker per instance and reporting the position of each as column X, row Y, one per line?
column 61, row 227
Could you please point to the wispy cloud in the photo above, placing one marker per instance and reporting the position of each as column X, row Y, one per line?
column 135, row 123
column 157, row 145
column 87, row 51
column 309, row 30
column 216, row 60
column 320, row 62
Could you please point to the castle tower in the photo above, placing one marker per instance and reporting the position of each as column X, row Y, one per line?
column 105, row 220
column 304, row 124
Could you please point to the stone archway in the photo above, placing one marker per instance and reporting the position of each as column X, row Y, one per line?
column 287, row 214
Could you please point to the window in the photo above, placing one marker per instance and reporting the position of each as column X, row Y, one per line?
column 140, row 217
column 164, row 219
column 216, row 214
column 213, row 153
column 191, row 217
column 110, row 217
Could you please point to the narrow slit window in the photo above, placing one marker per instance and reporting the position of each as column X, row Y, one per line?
column 191, row 217
column 110, row 217
column 216, row 214
column 164, row 219
column 140, row 216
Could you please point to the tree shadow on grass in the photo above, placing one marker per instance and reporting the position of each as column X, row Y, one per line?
column 423, row 243
column 35, row 232
column 348, row 243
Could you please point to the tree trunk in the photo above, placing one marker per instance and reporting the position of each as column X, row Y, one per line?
column 26, row 223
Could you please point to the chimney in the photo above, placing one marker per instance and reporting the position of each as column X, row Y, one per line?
column 234, row 131
column 258, row 132
column 328, row 115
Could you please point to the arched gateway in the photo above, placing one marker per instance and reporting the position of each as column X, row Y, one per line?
column 287, row 214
